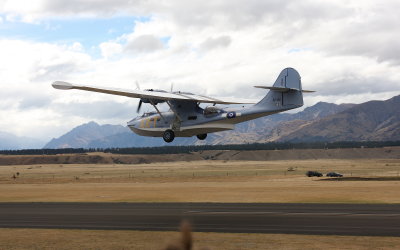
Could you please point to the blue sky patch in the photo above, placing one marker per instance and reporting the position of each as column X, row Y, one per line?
column 87, row 31
column 297, row 50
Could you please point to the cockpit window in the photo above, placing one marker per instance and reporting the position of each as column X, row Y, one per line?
column 148, row 114
column 211, row 110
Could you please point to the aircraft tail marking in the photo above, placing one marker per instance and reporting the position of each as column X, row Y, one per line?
column 286, row 93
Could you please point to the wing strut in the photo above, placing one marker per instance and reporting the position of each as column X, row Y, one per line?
column 158, row 111
column 176, row 113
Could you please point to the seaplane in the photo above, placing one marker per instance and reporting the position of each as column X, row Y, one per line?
column 185, row 117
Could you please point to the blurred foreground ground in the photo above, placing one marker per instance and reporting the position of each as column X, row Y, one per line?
column 97, row 239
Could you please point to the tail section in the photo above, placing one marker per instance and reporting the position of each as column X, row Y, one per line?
column 286, row 93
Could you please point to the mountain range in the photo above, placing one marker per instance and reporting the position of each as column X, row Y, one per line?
column 373, row 120
column 93, row 135
column 370, row 121
column 10, row 141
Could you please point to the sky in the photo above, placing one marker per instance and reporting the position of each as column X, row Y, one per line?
column 346, row 50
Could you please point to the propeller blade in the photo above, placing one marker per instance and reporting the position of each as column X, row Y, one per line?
column 139, row 106
column 137, row 85
column 172, row 86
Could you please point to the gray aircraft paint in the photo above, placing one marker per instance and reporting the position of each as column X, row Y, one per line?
column 186, row 118
column 273, row 102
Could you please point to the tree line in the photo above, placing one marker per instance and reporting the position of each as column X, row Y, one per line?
column 194, row 148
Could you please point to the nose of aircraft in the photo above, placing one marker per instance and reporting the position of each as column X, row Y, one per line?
column 133, row 123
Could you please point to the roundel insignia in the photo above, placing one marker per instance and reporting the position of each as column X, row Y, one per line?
column 231, row 115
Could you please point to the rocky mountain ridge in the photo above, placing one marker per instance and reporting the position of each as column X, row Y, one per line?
column 373, row 120
column 270, row 128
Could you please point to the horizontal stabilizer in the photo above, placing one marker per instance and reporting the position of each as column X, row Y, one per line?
column 283, row 89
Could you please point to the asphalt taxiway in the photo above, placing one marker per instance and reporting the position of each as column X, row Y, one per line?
column 291, row 218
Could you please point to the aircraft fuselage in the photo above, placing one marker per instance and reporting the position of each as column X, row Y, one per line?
column 190, row 121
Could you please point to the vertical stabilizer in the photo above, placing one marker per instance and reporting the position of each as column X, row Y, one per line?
column 286, row 93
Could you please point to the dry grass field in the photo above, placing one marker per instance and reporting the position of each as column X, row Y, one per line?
column 97, row 239
column 196, row 181
column 202, row 181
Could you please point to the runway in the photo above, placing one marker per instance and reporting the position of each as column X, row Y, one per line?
column 322, row 219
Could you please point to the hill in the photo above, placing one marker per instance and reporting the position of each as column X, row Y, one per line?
column 370, row 121
column 81, row 136
column 222, row 155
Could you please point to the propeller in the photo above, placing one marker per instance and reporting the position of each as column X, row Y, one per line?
column 152, row 101
column 139, row 106
column 140, row 101
column 137, row 85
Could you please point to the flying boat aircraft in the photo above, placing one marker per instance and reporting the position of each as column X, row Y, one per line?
column 186, row 118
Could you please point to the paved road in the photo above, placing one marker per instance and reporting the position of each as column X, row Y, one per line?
column 339, row 219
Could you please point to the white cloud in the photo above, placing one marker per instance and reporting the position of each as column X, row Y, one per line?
column 76, row 47
column 108, row 49
column 214, row 43
column 346, row 50
column 26, row 70
column 144, row 43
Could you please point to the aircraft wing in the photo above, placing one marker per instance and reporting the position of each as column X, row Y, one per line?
column 158, row 95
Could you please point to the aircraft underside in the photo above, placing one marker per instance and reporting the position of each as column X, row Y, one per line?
column 185, row 131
